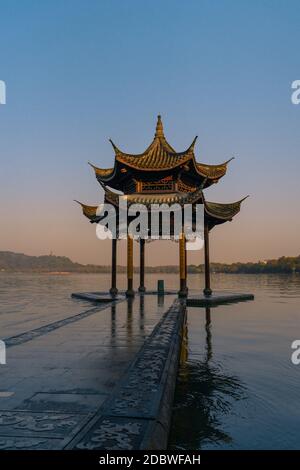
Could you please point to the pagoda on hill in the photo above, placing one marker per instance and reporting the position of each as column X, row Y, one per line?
column 160, row 175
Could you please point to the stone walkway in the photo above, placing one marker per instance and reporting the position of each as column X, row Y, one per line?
column 59, row 376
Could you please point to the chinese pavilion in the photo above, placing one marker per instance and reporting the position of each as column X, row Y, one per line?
column 160, row 175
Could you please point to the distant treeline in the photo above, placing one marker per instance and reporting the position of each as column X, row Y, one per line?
column 18, row 262
column 280, row 265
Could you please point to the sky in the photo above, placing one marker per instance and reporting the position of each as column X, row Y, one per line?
column 80, row 72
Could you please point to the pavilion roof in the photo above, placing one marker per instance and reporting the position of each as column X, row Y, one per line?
column 154, row 198
column 89, row 211
column 216, row 213
column 159, row 156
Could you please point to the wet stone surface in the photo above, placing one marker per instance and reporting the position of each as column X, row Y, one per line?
column 59, row 375
column 139, row 410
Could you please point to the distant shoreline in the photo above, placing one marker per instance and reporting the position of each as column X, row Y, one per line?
column 158, row 271
column 11, row 262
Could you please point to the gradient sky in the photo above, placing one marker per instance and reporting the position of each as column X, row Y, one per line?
column 79, row 72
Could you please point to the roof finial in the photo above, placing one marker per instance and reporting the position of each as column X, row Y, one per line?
column 191, row 147
column 114, row 146
column 159, row 127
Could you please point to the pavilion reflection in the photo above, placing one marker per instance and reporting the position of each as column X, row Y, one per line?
column 142, row 313
column 129, row 321
column 135, row 309
column 208, row 334
column 115, row 335
column 160, row 300
column 204, row 396
column 113, row 329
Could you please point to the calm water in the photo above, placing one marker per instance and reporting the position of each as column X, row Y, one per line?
column 237, row 387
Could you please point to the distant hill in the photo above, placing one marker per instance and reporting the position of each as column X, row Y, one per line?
column 19, row 262
column 13, row 262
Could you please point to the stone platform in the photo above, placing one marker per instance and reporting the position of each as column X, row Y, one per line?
column 101, row 379
column 138, row 413
column 221, row 297
column 103, row 297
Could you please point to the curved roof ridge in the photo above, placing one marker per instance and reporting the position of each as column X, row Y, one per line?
column 89, row 211
column 157, row 157
column 157, row 141
column 215, row 171
column 223, row 210
column 102, row 172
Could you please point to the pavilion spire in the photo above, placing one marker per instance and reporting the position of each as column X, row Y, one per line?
column 159, row 127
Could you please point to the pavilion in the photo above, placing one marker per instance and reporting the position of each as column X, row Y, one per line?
column 160, row 175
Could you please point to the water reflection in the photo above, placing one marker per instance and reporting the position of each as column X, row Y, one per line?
column 142, row 313
column 204, row 392
column 250, row 340
column 160, row 300
column 130, row 301
column 132, row 319
column 113, row 324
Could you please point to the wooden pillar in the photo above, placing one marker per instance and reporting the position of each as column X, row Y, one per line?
column 208, row 335
column 207, row 290
column 185, row 266
column 182, row 266
column 113, row 289
column 142, row 265
column 130, row 291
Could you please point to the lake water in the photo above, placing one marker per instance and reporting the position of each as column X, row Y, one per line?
column 237, row 387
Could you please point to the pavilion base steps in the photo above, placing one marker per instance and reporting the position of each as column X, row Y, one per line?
column 192, row 300
column 102, row 297
column 217, row 298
